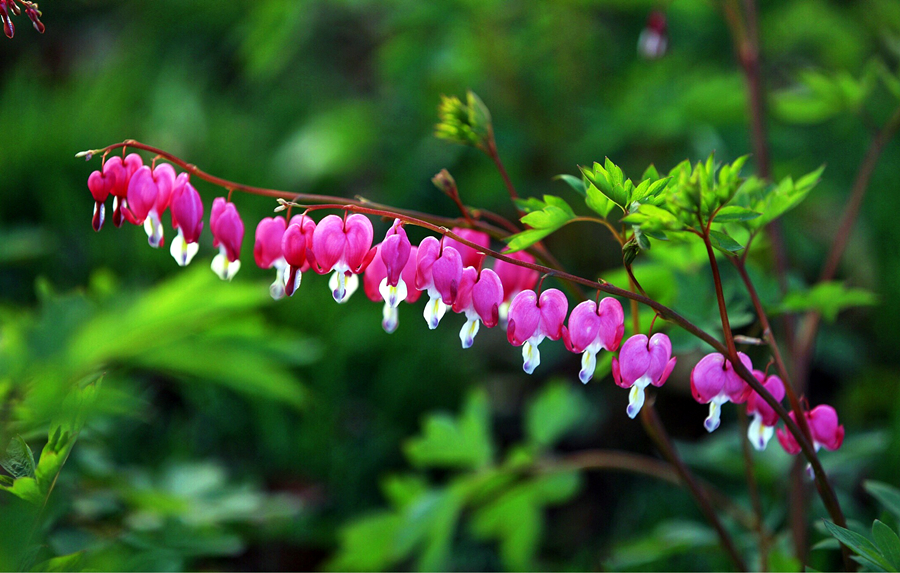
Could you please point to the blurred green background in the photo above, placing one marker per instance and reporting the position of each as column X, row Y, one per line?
column 234, row 432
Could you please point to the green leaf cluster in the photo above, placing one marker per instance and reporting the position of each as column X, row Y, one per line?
column 820, row 95
column 503, row 500
column 543, row 218
column 882, row 551
column 827, row 298
column 466, row 123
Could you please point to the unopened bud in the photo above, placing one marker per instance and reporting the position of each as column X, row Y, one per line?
column 445, row 182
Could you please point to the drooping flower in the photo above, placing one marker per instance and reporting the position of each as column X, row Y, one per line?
column 296, row 245
column 119, row 190
column 149, row 193
column 228, row 234
column 823, row 424
column 187, row 219
column 533, row 318
column 101, row 184
column 267, row 251
column 762, row 427
column 479, row 297
column 375, row 276
column 714, row 382
column 653, row 40
column 345, row 247
column 394, row 254
column 593, row 328
column 438, row 272
column 642, row 362
column 470, row 257
column 515, row 279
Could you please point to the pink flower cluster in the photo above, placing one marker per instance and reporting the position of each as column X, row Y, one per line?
column 715, row 382
column 8, row 7
column 453, row 276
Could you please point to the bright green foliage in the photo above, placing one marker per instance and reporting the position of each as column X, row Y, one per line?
column 506, row 501
column 772, row 201
column 828, row 299
column 464, row 123
column 544, row 217
column 19, row 459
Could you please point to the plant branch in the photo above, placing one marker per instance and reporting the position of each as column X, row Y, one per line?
column 656, row 431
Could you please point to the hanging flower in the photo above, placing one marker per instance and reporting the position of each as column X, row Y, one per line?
column 187, row 218
column 296, row 246
column 480, row 296
column 228, row 234
column 533, row 318
column 438, row 272
column 470, row 256
column 515, row 279
column 642, row 362
column 762, row 427
column 394, row 255
column 714, row 382
column 267, row 251
column 593, row 328
column 345, row 247
column 823, row 425
column 376, row 274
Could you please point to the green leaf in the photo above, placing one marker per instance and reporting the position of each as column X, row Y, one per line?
column 559, row 203
column 19, row 459
column 735, row 213
column 461, row 443
column 723, row 242
column 650, row 173
column 62, row 563
column 525, row 239
column 575, row 183
column 550, row 217
column 859, row 545
column 828, row 298
column 887, row 543
column 598, row 202
column 781, row 198
column 887, row 495
column 554, row 412
column 368, row 544
column 530, row 204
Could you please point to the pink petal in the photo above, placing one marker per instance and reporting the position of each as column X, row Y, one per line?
column 470, row 257
column 447, row 272
column 359, row 232
column 524, row 318
column 142, row 194
column 487, row 297
column 267, row 243
column 554, row 307
column 428, row 252
column 515, row 279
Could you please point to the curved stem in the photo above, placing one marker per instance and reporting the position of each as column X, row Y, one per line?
column 753, row 489
column 653, row 426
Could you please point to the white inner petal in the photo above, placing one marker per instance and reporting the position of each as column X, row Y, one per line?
column 224, row 268
column 182, row 251
column 588, row 366
column 434, row 310
column 531, row 357
column 390, row 318
column 715, row 411
column 758, row 433
column 468, row 331
column 393, row 294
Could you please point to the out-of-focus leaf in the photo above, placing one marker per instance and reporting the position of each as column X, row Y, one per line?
column 578, row 185
column 735, row 213
column 886, row 495
column 672, row 537
column 723, row 242
column 62, row 563
column 828, row 298
column 553, row 413
column 463, row 442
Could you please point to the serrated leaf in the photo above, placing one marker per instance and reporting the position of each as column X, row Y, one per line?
column 525, row 239
column 19, row 459
column 859, row 545
column 530, row 204
column 735, row 213
column 550, row 217
column 463, row 442
column 578, row 185
column 598, row 202
column 650, row 173
column 554, row 412
column 887, row 543
column 723, row 242
column 559, row 203
column 887, row 495
column 828, row 298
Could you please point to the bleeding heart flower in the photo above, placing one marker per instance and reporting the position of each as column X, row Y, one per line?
column 470, row 257
column 149, row 193
column 515, row 279
column 714, row 382
column 228, row 234
column 187, row 218
column 394, row 256
column 296, row 245
column 438, row 272
column 344, row 246
column 119, row 190
column 267, row 251
column 376, row 274
column 533, row 318
column 101, row 184
column 592, row 329
column 762, row 427
column 642, row 362
column 823, row 424
column 479, row 297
